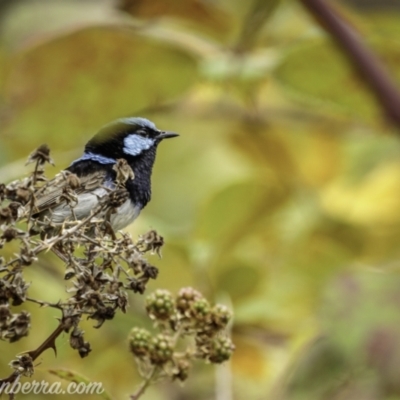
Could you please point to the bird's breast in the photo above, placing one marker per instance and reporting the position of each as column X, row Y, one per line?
column 125, row 215
column 87, row 202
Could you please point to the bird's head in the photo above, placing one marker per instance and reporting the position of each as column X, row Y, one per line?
column 127, row 138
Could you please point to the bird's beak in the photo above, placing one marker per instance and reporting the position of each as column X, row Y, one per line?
column 166, row 135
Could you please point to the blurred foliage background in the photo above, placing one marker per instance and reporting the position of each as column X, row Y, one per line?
column 279, row 199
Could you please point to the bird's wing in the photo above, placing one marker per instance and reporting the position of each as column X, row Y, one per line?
column 55, row 192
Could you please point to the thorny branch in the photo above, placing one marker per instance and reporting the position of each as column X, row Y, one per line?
column 145, row 384
column 100, row 267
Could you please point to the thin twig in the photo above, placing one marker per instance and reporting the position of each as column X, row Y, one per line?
column 46, row 303
column 145, row 384
column 49, row 243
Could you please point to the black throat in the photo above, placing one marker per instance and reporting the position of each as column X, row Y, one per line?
column 139, row 188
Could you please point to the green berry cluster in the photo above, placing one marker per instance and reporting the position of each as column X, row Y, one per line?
column 191, row 328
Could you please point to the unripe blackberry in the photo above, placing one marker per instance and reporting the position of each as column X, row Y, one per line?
column 160, row 305
column 200, row 310
column 221, row 350
column 220, row 316
column 139, row 342
column 161, row 350
column 185, row 298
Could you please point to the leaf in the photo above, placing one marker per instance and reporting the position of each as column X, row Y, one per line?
column 3, row 61
column 203, row 13
column 317, row 72
column 384, row 23
column 233, row 212
column 265, row 145
column 239, row 280
column 362, row 318
column 259, row 13
column 362, row 157
column 316, row 373
column 78, row 82
column 248, row 359
column 72, row 376
column 373, row 201
column 319, row 157
column 23, row 22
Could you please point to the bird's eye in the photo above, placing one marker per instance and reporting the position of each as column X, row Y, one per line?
column 142, row 132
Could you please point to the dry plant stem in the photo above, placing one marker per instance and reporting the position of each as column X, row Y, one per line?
column 367, row 63
column 35, row 172
column 34, row 182
column 49, row 243
column 49, row 343
column 145, row 384
column 45, row 303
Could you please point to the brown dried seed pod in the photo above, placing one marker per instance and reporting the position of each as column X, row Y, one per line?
column 41, row 155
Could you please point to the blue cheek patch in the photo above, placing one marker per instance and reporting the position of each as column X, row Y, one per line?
column 95, row 157
column 135, row 144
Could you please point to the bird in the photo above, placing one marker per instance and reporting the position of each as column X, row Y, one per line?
column 133, row 140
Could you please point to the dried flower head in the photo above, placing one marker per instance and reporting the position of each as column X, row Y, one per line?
column 151, row 241
column 23, row 364
column 41, row 156
column 123, row 171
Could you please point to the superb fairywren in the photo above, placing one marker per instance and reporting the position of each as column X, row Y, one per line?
column 132, row 139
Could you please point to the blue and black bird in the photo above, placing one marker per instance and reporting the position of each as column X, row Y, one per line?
column 134, row 140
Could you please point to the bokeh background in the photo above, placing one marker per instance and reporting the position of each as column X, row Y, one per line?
column 280, row 199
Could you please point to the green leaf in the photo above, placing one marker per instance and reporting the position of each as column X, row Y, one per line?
column 259, row 13
column 23, row 21
column 384, row 23
column 203, row 13
column 358, row 306
column 239, row 280
column 319, row 73
column 72, row 376
column 235, row 211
